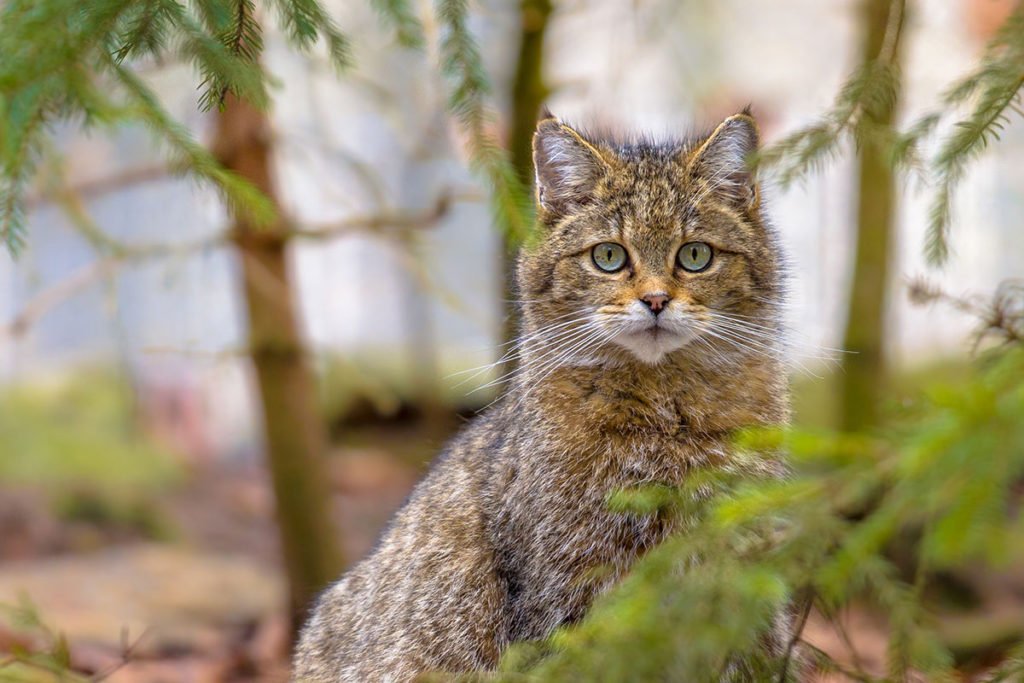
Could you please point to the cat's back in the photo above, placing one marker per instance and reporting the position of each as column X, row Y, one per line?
column 403, row 609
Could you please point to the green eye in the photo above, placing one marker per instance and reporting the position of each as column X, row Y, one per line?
column 609, row 256
column 694, row 256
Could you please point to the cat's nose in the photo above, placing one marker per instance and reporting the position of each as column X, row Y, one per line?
column 656, row 301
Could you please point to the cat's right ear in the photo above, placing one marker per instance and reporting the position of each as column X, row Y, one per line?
column 567, row 167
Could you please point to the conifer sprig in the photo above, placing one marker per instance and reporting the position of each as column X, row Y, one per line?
column 990, row 93
column 462, row 64
column 400, row 16
column 242, row 39
column 188, row 156
column 995, row 89
column 946, row 476
column 52, row 52
column 305, row 20
column 869, row 92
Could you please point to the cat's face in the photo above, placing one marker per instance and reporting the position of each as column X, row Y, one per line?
column 656, row 249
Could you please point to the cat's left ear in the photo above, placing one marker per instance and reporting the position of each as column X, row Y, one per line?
column 568, row 167
column 723, row 160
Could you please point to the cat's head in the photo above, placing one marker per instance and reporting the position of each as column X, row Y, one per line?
column 656, row 248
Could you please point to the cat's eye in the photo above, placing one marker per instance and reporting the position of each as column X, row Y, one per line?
column 694, row 256
column 609, row 257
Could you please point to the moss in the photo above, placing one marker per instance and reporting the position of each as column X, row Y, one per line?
column 78, row 432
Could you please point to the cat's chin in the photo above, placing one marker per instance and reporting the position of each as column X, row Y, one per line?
column 650, row 346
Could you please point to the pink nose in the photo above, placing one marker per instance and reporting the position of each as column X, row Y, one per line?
column 655, row 302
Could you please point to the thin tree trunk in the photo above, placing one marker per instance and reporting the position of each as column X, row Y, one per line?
column 528, row 94
column 528, row 89
column 295, row 434
column 864, row 369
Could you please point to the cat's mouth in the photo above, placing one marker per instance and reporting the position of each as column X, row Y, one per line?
column 652, row 343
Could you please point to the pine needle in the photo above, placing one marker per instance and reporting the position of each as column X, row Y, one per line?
column 462, row 64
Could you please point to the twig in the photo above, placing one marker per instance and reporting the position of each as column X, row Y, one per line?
column 97, row 187
column 839, row 668
column 1002, row 316
column 127, row 654
column 378, row 222
column 117, row 253
column 51, row 297
column 809, row 601
column 836, row 620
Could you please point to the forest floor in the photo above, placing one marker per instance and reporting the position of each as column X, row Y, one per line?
column 192, row 588
column 185, row 586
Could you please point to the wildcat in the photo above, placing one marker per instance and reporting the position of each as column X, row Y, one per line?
column 650, row 309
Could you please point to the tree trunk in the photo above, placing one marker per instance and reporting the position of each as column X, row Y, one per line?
column 864, row 370
column 295, row 434
column 528, row 94
column 528, row 90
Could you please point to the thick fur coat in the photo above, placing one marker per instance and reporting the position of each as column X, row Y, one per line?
column 510, row 536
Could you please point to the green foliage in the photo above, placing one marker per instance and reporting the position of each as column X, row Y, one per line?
column 400, row 15
column 871, row 88
column 701, row 606
column 78, row 434
column 52, row 659
column 462, row 64
column 305, row 20
column 64, row 60
column 989, row 94
column 128, row 513
column 35, row 652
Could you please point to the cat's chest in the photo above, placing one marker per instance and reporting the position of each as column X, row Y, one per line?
column 576, row 473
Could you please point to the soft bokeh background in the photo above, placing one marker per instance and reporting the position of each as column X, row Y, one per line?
column 132, row 491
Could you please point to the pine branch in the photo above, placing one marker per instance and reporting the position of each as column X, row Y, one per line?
column 190, row 156
column 1000, row 93
column 146, row 30
column 462, row 64
column 116, row 254
column 401, row 17
column 76, row 33
column 228, row 59
column 41, row 80
column 994, row 86
column 870, row 90
column 305, row 20
column 24, row 117
column 243, row 39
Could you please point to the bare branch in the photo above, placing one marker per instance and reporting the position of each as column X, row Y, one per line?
column 51, row 297
column 117, row 254
column 382, row 222
column 98, row 187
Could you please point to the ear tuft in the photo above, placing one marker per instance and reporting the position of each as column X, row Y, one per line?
column 723, row 160
column 567, row 167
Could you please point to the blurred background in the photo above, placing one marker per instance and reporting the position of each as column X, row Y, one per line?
column 134, row 495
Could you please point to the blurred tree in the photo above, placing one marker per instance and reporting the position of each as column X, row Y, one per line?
column 528, row 89
column 863, row 115
column 296, row 436
column 528, row 94
column 62, row 59
column 864, row 373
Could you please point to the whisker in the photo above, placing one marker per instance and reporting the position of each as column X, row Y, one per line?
column 781, row 337
column 757, row 348
column 567, row 337
column 516, row 350
column 538, row 375
column 788, row 332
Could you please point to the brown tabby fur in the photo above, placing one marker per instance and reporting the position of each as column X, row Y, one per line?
column 501, row 540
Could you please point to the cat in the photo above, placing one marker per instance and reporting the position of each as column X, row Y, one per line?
column 650, row 332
